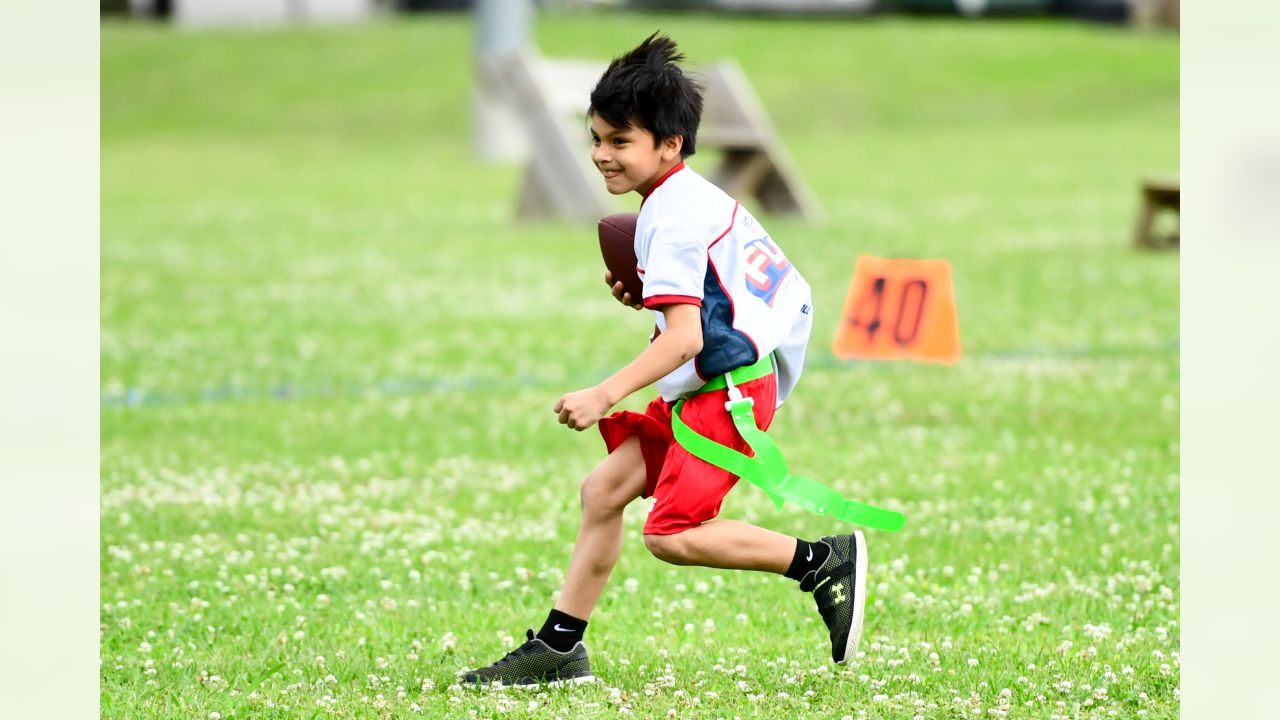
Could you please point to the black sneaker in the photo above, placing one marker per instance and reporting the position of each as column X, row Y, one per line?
column 839, row 589
column 532, row 664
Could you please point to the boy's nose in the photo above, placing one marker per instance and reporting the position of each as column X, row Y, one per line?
column 598, row 155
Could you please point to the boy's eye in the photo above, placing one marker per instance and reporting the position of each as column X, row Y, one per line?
column 620, row 141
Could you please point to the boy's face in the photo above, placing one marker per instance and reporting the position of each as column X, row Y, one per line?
column 627, row 157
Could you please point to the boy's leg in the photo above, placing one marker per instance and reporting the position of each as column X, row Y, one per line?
column 727, row 544
column 605, row 493
column 556, row 654
column 834, row 569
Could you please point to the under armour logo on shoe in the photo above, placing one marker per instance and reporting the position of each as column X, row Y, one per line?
column 838, row 591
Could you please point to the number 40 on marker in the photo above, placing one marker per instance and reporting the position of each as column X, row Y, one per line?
column 899, row 308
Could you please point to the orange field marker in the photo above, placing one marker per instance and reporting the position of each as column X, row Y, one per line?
column 899, row 308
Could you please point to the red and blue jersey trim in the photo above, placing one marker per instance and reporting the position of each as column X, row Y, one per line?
column 724, row 346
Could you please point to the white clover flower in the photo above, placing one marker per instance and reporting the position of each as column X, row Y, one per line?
column 973, row 662
column 631, row 584
column 1097, row 632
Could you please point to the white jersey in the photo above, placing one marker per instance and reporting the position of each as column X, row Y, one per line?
column 697, row 245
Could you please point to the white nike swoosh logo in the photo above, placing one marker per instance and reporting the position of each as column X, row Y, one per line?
column 560, row 629
column 810, row 555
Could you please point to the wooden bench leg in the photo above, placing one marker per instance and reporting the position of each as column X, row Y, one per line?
column 1146, row 219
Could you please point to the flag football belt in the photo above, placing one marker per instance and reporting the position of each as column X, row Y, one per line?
column 767, row 469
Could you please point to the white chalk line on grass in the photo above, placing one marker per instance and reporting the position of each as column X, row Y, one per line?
column 136, row 397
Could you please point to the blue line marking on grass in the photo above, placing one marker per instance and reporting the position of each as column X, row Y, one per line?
column 406, row 387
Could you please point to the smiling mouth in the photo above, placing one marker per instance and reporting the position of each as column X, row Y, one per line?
column 610, row 174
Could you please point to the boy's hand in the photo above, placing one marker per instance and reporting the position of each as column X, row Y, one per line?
column 619, row 295
column 584, row 408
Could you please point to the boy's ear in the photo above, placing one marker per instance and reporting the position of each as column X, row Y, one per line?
column 671, row 147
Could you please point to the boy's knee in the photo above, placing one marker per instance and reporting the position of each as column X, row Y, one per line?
column 674, row 549
column 589, row 493
column 597, row 494
column 615, row 482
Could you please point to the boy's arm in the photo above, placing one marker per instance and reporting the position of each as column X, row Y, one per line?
column 680, row 342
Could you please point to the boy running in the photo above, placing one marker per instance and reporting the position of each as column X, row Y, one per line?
column 727, row 301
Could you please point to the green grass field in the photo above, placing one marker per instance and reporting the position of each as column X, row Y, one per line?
column 331, row 477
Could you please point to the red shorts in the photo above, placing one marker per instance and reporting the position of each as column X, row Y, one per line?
column 687, row 491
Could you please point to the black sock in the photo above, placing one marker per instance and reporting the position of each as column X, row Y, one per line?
column 562, row 631
column 809, row 556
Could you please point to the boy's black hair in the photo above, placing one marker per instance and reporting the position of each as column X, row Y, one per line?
column 646, row 86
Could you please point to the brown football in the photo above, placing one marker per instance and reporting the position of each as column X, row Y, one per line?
column 618, row 246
